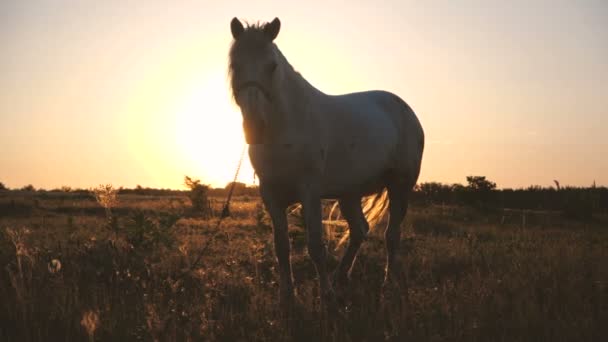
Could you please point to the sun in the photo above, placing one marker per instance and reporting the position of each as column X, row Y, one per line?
column 208, row 132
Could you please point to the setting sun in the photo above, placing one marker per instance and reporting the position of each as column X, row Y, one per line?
column 208, row 132
column 181, row 120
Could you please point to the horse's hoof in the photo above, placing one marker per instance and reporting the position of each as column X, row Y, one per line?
column 328, row 295
column 339, row 281
column 332, row 307
column 391, row 304
column 289, row 304
column 328, row 299
column 340, row 286
column 391, row 289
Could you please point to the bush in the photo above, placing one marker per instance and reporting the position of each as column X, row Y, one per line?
column 199, row 196
column 578, row 205
column 145, row 232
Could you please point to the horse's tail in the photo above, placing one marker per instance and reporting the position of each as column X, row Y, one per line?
column 374, row 209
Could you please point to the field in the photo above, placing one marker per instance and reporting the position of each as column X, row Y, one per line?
column 73, row 270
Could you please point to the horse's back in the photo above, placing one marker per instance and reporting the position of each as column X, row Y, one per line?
column 372, row 133
column 408, row 156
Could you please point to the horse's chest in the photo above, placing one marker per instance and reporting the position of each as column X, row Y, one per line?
column 286, row 162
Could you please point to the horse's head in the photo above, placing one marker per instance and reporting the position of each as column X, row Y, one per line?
column 254, row 74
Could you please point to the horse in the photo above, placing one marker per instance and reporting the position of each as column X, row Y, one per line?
column 305, row 146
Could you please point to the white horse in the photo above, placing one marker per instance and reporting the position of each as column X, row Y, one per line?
column 306, row 145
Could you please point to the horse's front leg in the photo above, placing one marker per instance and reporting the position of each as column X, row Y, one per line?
column 276, row 209
column 311, row 206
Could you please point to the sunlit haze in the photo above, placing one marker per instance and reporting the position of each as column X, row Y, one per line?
column 134, row 93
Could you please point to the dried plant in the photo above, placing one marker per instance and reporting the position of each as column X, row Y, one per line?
column 90, row 322
column 106, row 196
column 54, row 266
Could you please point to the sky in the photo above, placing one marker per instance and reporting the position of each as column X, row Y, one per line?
column 135, row 92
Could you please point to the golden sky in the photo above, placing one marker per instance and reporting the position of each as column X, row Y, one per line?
column 135, row 92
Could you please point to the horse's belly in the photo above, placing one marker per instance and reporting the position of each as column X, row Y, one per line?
column 356, row 169
column 286, row 163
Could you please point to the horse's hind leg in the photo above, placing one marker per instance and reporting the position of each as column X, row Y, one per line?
column 398, row 203
column 391, row 290
column 358, row 228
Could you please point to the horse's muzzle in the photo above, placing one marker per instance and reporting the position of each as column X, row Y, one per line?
column 254, row 131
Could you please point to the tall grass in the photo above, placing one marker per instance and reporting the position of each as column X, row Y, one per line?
column 465, row 277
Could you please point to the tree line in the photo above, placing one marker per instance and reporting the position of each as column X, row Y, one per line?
column 576, row 202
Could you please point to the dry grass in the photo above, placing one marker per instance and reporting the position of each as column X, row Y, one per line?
column 65, row 276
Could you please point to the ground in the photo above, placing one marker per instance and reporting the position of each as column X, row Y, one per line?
column 72, row 270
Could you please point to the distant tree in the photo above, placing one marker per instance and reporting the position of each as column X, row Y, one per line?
column 480, row 183
column 239, row 188
column 433, row 192
column 480, row 191
column 28, row 187
column 459, row 193
column 457, row 187
column 237, row 185
column 2, row 187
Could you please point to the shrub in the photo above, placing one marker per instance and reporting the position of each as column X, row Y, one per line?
column 578, row 205
column 198, row 196
column 146, row 232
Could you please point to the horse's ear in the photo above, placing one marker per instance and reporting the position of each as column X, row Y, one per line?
column 236, row 27
column 272, row 29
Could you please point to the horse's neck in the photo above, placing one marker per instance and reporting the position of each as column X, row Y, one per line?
column 295, row 95
column 295, row 90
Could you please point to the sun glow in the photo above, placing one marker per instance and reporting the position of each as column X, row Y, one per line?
column 186, row 125
column 208, row 133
